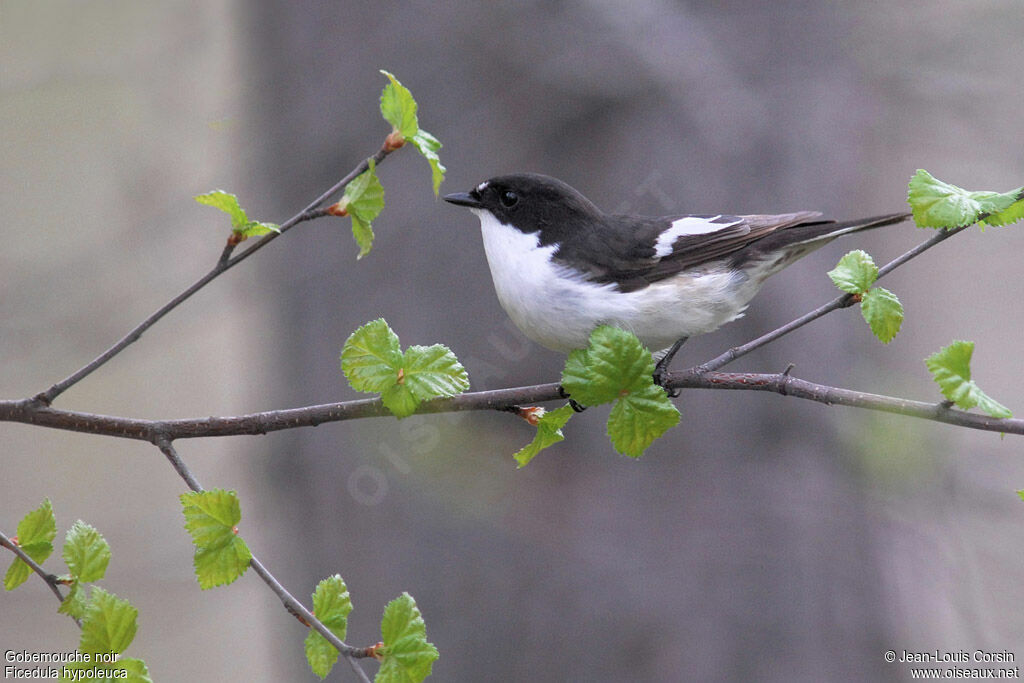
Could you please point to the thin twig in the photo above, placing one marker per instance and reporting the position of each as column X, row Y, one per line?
column 223, row 264
column 50, row 579
column 293, row 606
column 787, row 385
column 841, row 301
column 168, row 449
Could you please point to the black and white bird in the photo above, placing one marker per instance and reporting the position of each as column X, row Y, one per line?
column 561, row 266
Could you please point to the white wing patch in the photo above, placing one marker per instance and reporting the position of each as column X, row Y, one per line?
column 689, row 225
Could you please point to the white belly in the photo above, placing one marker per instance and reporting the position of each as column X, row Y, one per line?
column 559, row 310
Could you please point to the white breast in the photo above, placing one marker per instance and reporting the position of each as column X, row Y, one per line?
column 558, row 308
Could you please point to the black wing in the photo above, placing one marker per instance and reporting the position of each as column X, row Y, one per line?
column 651, row 250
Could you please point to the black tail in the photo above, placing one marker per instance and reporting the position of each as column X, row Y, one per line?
column 819, row 233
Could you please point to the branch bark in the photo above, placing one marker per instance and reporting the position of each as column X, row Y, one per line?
column 30, row 412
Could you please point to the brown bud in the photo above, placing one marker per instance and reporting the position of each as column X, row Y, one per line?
column 337, row 209
column 532, row 414
column 393, row 141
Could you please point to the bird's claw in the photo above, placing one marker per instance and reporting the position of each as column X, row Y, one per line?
column 661, row 378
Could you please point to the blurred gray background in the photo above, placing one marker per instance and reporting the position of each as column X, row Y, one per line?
column 764, row 538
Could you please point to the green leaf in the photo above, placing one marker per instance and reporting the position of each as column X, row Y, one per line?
column 549, row 432
column 372, row 361
column 640, row 417
column 613, row 363
column 255, row 229
column 86, row 552
column 372, row 357
column 331, row 605
column 407, row 656
column 109, row 624
column 226, row 202
column 211, row 518
column 616, row 367
column 1014, row 213
column 35, row 534
column 1021, row 494
column 855, row 272
column 937, row 204
column 363, row 234
column 400, row 400
column 432, row 371
column 125, row 669
column 240, row 223
column 76, row 601
column 429, row 146
column 951, row 369
column 363, row 199
column 398, row 107
column 883, row 313
column 426, row 372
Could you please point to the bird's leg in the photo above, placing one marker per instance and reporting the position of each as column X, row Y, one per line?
column 661, row 369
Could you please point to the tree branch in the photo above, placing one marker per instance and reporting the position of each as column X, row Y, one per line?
column 224, row 263
column 29, row 412
column 293, row 606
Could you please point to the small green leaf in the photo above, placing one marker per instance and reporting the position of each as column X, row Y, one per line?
column 640, row 417
column 549, row 432
column 240, row 223
column 1014, row 213
column 109, row 624
column 331, row 605
column 372, row 357
column 363, row 234
column 76, row 601
column 432, row 371
column 36, row 532
column 372, row 361
column 576, row 380
column 211, row 518
column 226, row 202
column 616, row 367
column 855, row 272
column 1021, row 494
column 951, row 369
column 398, row 107
column 255, row 229
column 407, row 656
column 883, row 312
column 364, row 200
column 86, row 552
column 937, row 204
column 125, row 669
column 400, row 400
column 429, row 146
column 614, row 362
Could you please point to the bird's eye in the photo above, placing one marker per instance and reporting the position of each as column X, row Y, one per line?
column 509, row 199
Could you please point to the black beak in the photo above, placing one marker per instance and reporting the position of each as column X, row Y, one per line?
column 463, row 199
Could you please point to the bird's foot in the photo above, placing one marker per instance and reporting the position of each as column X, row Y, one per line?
column 576, row 406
